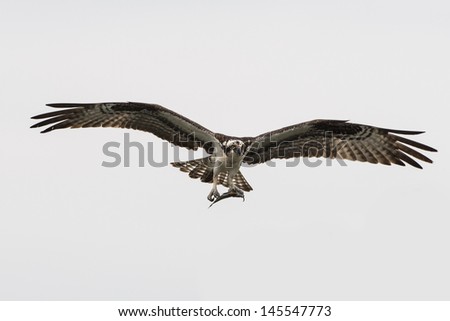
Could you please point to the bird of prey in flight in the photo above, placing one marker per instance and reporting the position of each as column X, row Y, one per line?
column 226, row 154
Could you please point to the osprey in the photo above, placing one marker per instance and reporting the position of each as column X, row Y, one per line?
column 316, row 138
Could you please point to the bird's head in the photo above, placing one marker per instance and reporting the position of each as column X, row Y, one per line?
column 234, row 146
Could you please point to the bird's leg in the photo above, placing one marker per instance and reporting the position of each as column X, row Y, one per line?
column 233, row 189
column 214, row 194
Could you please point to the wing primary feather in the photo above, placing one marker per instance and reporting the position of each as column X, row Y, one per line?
column 408, row 159
column 53, row 113
column 49, row 121
column 413, row 143
column 413, row 152
column 62, row 124
column 68, row 105
column 404, row 132
column 389, row 151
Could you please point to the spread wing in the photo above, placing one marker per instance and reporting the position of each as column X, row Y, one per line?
column 338, row 139
column 151, row 118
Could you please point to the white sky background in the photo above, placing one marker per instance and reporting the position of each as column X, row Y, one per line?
column 72, row 229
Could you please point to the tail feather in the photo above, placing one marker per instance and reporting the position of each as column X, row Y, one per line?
column 238, row 179
column 241, row 182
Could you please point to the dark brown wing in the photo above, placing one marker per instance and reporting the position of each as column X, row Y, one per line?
column 338, row 139
column 151, row 118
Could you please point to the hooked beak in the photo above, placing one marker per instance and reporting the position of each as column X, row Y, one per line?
column 238, row 151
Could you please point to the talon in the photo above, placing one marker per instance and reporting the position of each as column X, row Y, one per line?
column 236, row 191
column 239, row 193
column 232, row 192
column 213, row 195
